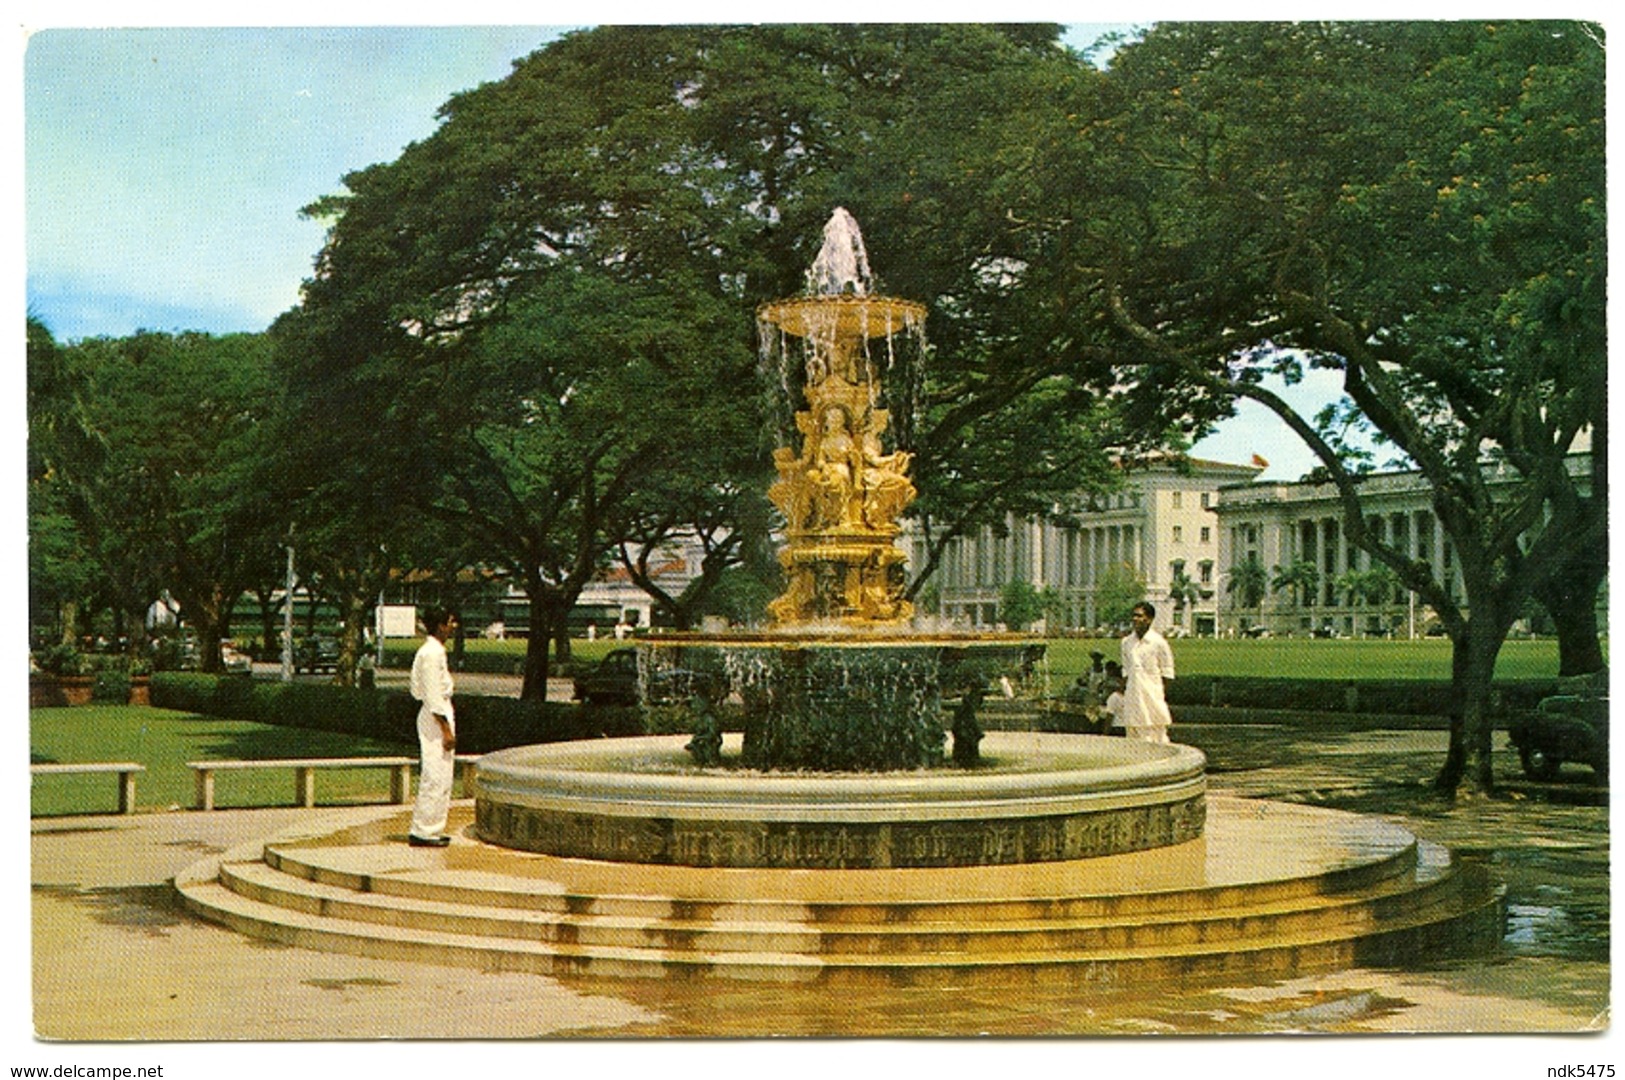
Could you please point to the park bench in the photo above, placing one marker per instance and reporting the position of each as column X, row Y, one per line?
column 304, row 774
column 126, row 776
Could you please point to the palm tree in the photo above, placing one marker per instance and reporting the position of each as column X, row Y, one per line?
column 1182, row 591
column 1374, row 587
column 1249, row 581
column 1298, row 580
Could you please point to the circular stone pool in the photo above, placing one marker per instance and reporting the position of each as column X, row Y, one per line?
column 1034, row 798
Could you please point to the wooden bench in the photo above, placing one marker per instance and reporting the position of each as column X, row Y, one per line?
column 126, row 776
column 304, row 774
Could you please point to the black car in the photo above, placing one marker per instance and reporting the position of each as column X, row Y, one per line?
column 315, row 654
column 614, row 681
column 1571, row 726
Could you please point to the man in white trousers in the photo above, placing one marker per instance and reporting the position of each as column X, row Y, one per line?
column 1147, row 661
column 437, row 731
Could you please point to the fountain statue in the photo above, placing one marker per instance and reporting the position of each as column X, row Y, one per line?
column 841, row 681
column 841, row 494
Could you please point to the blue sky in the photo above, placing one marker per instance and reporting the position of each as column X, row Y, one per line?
column 165, row 169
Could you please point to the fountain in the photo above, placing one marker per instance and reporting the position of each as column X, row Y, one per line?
column 840, row 685
column 842, row 493
column 834, row 838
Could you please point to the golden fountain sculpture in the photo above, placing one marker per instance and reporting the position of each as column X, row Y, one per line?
column 841, row 493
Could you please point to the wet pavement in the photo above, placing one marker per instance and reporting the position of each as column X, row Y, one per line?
column 116, row 958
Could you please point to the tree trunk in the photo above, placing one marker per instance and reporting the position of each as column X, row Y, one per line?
column 209, row 624
column 270, row 627
column 1472, row 671
column 350, row 638
column 69, row 614
column 543, row 617
column 1570, row 597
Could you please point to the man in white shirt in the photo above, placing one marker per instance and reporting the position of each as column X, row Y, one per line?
column 437, row 731
column 1147, row 661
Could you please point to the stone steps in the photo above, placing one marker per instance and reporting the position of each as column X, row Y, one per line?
column 726, row 928
column 474, row 905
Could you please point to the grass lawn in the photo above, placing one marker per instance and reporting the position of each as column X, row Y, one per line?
column 1301, row 658
column 1309, row 658
column 165, row 740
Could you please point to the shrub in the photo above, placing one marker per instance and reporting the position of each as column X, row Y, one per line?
column 483, row 723
column 183, row 691
column 60, row 660
column 112, row 686
column 1399, row 697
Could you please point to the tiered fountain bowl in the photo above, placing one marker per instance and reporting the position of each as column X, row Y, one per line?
column 842, row 760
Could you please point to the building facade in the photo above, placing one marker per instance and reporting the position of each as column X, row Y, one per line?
column 1194, row 531
column 1279, row 525
column 1160, row 529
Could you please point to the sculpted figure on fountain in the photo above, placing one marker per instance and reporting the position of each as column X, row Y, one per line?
column 841, row 492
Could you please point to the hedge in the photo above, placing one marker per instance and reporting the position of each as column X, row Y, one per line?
column 1392, row 698
column 399, row 657
column 483, row 723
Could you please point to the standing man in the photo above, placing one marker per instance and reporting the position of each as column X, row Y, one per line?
column 437, row 731
column 1147, row 661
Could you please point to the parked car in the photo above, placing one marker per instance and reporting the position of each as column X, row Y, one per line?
column 614, row 681
column 315, row 654
column 237, row 663
column 1571, row 726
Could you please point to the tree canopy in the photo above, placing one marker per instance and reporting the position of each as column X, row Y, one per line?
column 1417, row 206
column 549, row 300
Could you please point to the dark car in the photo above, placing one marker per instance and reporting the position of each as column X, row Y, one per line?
column 316, row 654
column 614, row 681
column 1572, row 726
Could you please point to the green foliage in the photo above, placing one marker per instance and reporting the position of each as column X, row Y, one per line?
column 1020, row 605
column 1374, row 586
column 596, row 229
column 1417, row 207
column 483, row 723
column 164, row 740
column 1183, row 590
column 111, row 685
column 1116, row 594
column 1360, row 660
column 173, row 497
column 60, row 660
column 1248, row 582
column 1298, row 580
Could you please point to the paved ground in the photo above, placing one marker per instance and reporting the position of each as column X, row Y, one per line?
column 115, row 958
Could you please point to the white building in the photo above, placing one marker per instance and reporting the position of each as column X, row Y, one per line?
column 1162, row 524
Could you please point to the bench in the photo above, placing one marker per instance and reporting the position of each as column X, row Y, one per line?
column 126, row 776
column 304, row 774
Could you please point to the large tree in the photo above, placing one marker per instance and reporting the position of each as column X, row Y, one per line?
column 544, row 309
column 64, row 456
column 1416, row 206
column 178, row 503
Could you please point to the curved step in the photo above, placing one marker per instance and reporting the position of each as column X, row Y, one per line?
column 1384, row 899
column 736, row 928
column 1474, row 916
column 1230, row 868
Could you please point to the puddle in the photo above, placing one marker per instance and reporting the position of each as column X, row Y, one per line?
column 202, row 847
column 1365, row 1005
column 345, row 984
column 150, row 909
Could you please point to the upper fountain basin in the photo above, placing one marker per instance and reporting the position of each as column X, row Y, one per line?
column 842, row 317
